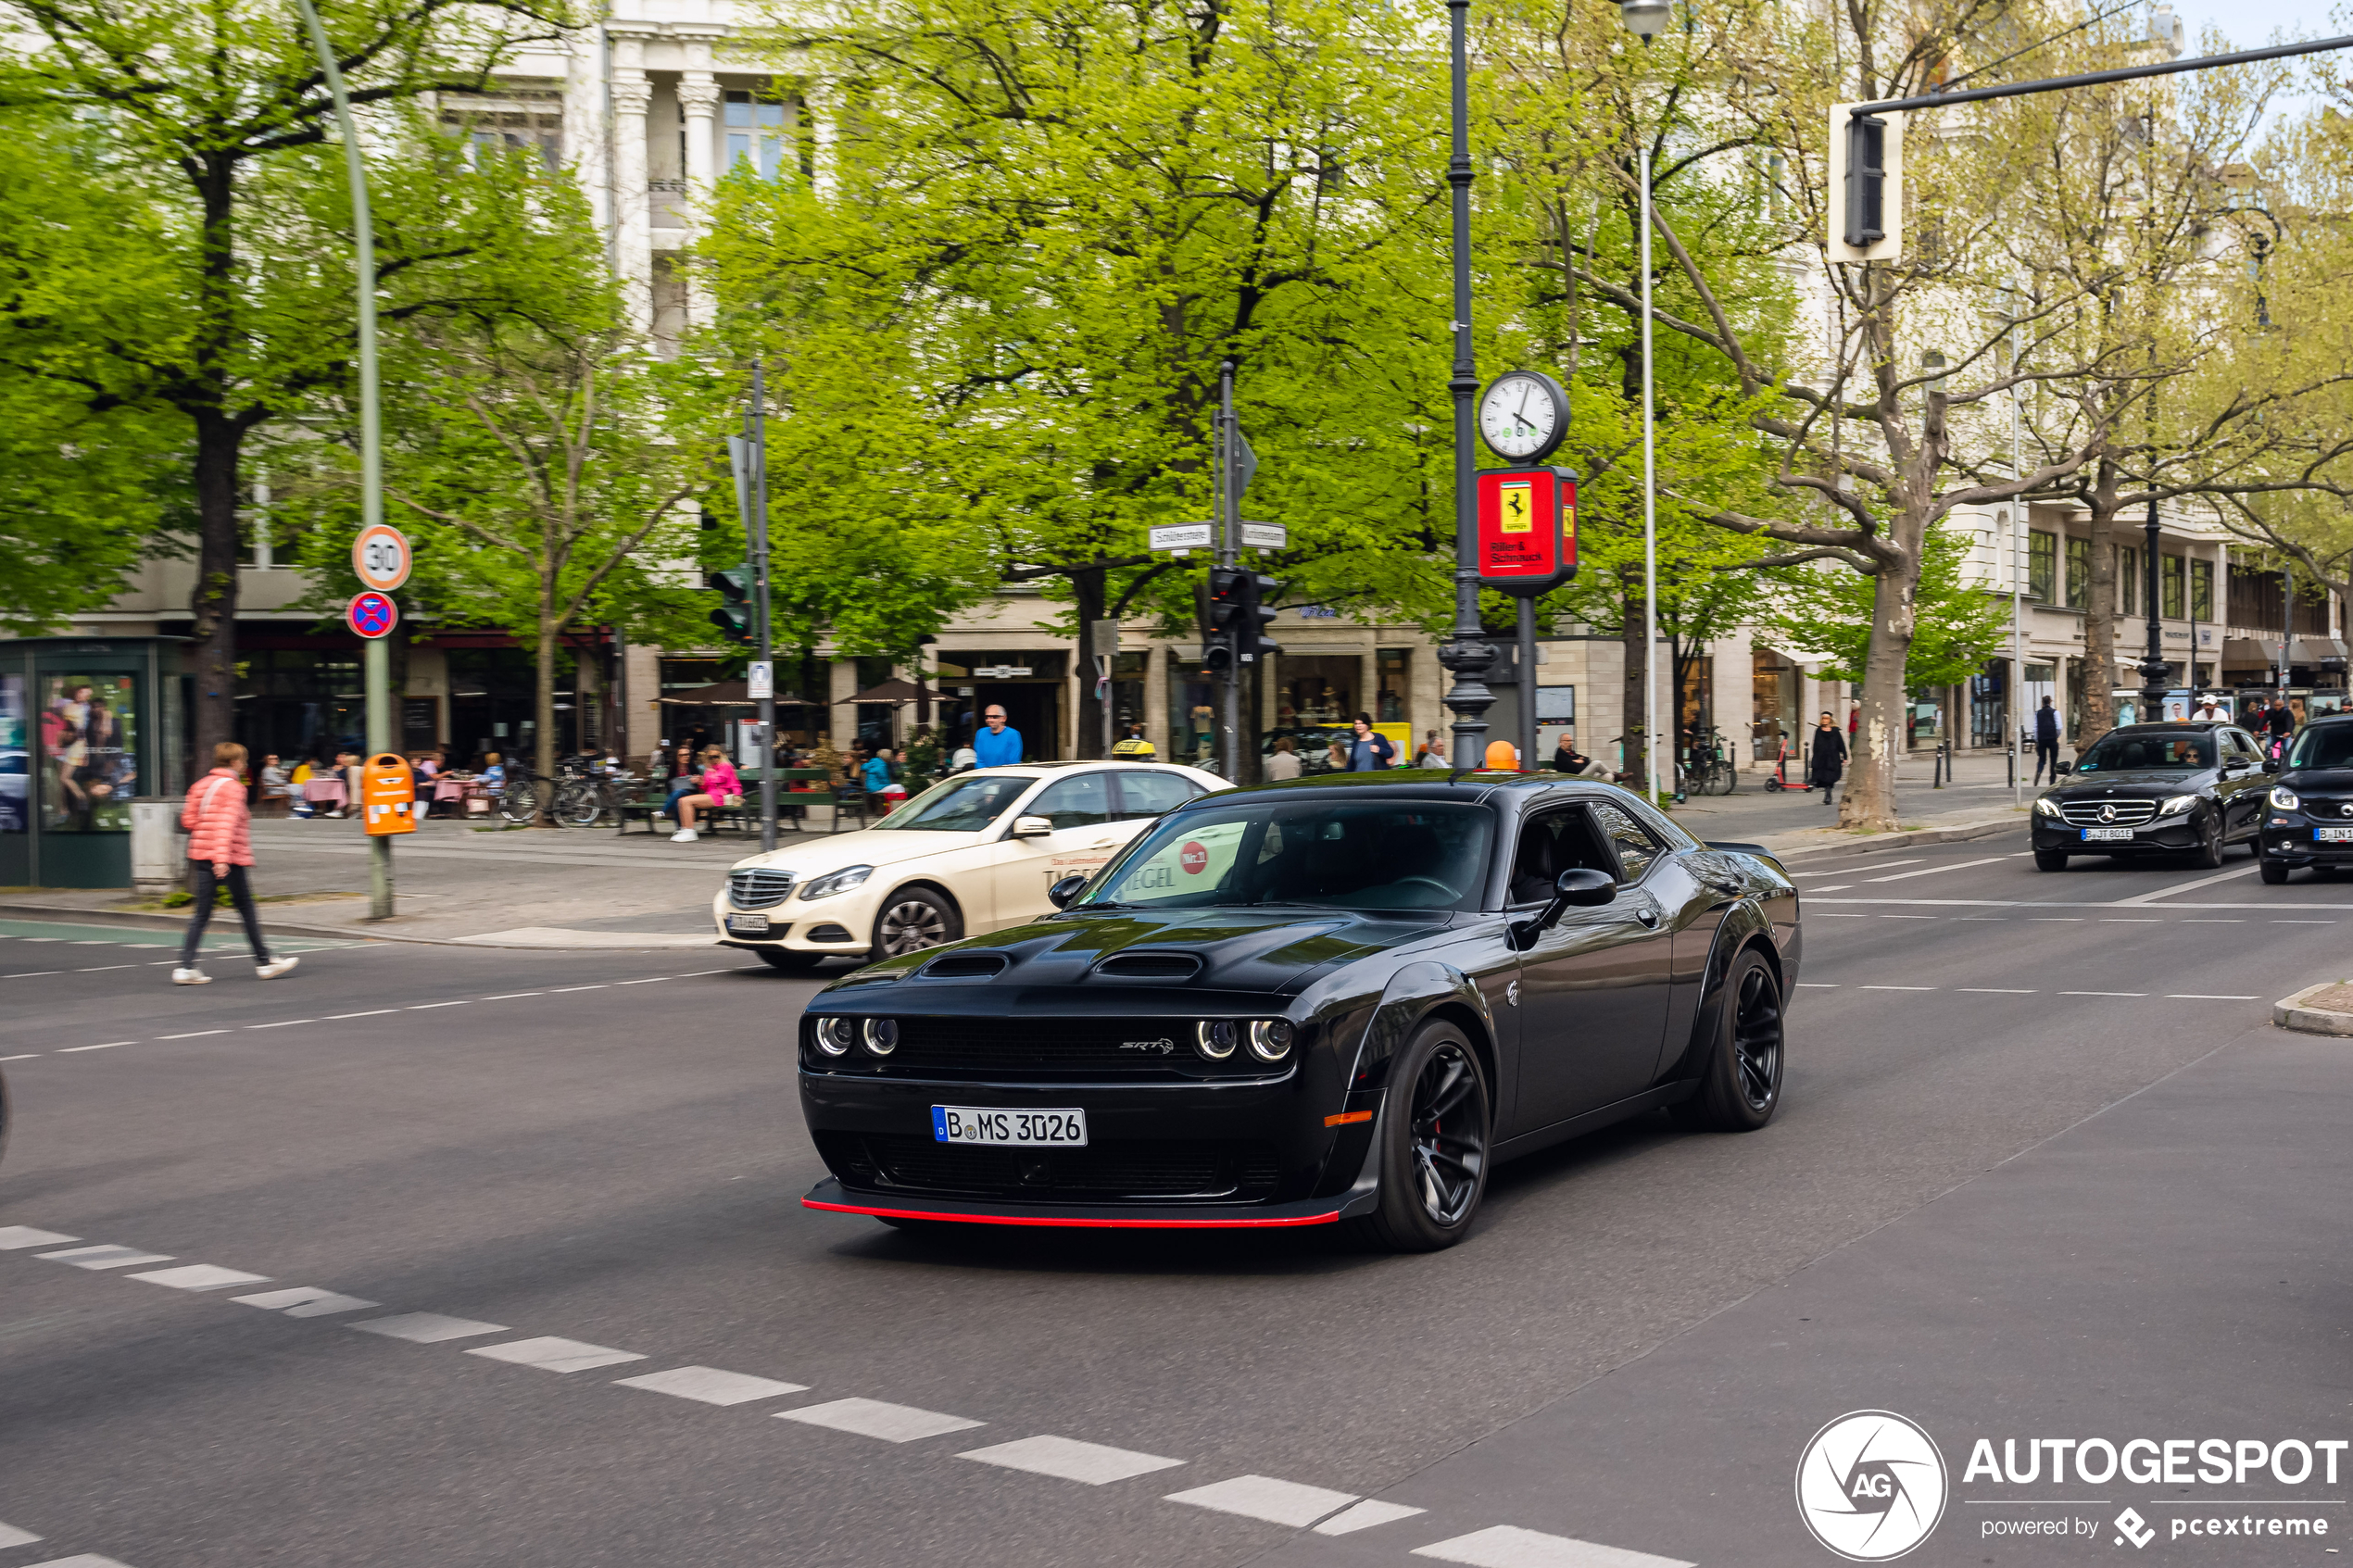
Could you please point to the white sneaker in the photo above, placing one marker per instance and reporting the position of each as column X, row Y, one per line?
column 190, row 977
column 275, row 968
column 684, row 835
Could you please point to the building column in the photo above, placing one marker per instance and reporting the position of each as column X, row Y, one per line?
column 698, row 96
column 584, row 145
column 633, row 211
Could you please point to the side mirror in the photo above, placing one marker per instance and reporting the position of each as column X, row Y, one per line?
column 2271, row 764
column 1031, row 827
column 2063, row 767
column 1062, row 891
column 1584, row 887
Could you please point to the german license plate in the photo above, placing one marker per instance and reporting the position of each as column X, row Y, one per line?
column 748, row 925
column 2332, row 835
column 2098, row 835
column 1026, row 1129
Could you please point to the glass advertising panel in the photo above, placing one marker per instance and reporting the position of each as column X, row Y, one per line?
column 90, row 753
column 15, row 759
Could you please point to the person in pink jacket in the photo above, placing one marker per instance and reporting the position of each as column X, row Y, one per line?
column 721, row 790
column 220, row 851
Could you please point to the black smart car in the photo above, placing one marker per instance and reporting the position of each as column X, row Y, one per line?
column 2174, row 789
column 2308, row 818
column 1331, row 1000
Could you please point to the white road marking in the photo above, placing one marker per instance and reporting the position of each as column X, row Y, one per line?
column 2235, row 871
column 2304, row 922
column 32, row 974
column 1932, row 871
column 1995, row 990
column 201, row 1276
column 2195, row 919
column 192, row 1034
column 551, row 1354
column 1833, row 887
column 107, row 1257
column 427, row 1328
column 711, row 1386
column 1263, row 1497
column 2131, row 919
column 86, row 1560
column 20, row 1056
column 304, row 1301
column 874, row 1418
column 11, row 1536
column 2207, row 996
column 1907, row 917
column 2103, row 993
column 373, row 1012
column 1896, row 987
column 101, row 968
column 1093, row 1465
column 282, row 1024
column 1816, row 985
column 1836, row 915
column 1363, row 1516
column 2055, row 920
column 559, row 990
column 1508, row 1545
column 650, row 980
column 68, row 1050
column 510, row 995
column 1859, row 866
column 420, row 1007
column 13, row 1236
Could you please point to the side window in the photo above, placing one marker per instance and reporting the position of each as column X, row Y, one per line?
column 1549, row 845
column 1143, row 793
column 1074, row 803
column 1635, row 849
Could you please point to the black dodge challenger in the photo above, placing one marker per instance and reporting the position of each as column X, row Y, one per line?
column 1338, row 999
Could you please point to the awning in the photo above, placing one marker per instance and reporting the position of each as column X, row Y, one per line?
column 892, row 690
column 724, row 694
column 2312, row 650
column 2243, row 653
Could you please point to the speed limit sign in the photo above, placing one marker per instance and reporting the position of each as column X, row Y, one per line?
column 381, row 556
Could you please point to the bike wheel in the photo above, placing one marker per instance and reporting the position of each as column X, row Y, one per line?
column 579, row 804
column 522, row 801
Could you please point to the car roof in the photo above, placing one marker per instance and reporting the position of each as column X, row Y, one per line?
column 2176, row 724
column 1419, row 784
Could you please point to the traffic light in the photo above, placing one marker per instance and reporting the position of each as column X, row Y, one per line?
column 1866, row 180
column 1251, row 614
column 1218, row 600
column 733, row 615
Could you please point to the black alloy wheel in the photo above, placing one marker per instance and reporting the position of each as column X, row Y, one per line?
column 1740, row 1083
column 913, row 919
column 2210, row 844
column 787, row 962
column 1434, row 1145
column 2272, row 872
column 2050, row 859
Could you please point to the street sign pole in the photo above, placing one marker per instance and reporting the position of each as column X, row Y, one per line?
column 1228, row 503
column 758, row 521
column 375, row 661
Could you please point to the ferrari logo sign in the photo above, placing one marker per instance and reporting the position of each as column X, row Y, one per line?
column 1526, row 528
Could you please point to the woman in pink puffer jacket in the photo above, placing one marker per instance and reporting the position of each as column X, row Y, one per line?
column 220, row 851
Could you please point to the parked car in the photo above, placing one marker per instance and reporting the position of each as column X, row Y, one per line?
column 1324, row 1001
column 973, row 853
column 2142, row 790
column 2308, row 818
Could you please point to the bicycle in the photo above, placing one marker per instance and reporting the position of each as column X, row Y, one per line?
column 1711, row 770
column 587, row 790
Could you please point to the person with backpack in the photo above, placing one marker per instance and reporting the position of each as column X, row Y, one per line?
column 220, row 854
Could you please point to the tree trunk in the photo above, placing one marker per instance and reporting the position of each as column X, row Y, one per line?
column 1869, row 802
column 543, row 708
column 1636, row 622
column 1088, row 584
column 2100, row 609
column 212, row 652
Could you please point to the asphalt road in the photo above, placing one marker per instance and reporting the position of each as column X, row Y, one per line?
column 604, row 1149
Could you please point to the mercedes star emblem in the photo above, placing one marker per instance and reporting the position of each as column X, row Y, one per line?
column 2107, row 813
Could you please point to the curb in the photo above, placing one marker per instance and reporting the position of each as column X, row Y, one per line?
column 147, row 921
column 2288, row 1014
column 1904, row 839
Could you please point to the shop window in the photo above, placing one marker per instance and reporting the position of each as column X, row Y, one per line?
column 1389, row 705
column 1317, row 692
column 2079, row 574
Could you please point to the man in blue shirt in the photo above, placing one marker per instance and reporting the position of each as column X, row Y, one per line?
column 995, row 746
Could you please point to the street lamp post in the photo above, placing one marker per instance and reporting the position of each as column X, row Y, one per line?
column 2153, row 659
column 1467, row 656
column 1646, row 19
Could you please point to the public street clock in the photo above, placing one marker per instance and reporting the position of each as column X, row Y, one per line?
column 1523, row 415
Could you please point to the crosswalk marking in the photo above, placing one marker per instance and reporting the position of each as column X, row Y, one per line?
column 1508, row 1546
column 305, row 1301
column 426, row 1329
column 710, row 1386
column 201, row 1276
column 551, row 1354
column 1094, row 1464
column 1365, row 1516
column 107, row 1257
column 13, row 1236
column 877, row 1418
column 1263, row 1497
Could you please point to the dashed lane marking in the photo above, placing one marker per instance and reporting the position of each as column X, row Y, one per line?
column 304, row 1301
column 1508, row 1546
column 426, row 1006
column 20, row 1056
column 1263, row 1497
column 85, row 1560
column 13, row 1236
column 69, row 1051
column 510, row 995
column 105, row 1256
column 11, row 1536
column 2205, row 997
column 372, row 1012
column 1996, row 990
column 427, row 1328
column 1932, row 871
column 1896, row 987
column 876, row 1418
column 707, row 1385
column 551, row 1354
column 2103, row 993
column 1365, row 1516
column 559, row 990
column 200, row 1276
column 1858, row 866
column 282, row 1024
column 192, row 1034
column 1067, row 1458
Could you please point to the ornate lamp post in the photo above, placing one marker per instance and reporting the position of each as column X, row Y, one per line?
column 2153, row 665
column 1468, row 655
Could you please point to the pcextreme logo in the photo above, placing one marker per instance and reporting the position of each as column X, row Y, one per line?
column 1871, row 1486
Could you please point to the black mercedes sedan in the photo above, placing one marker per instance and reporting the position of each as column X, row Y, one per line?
column 1329, row 1001
column 2308, row 817
column 2185, row 788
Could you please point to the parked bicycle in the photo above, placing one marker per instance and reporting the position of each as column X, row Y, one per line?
column 1710, row 769
column 590, row 788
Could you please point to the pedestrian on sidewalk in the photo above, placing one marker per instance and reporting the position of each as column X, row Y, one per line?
column 996, row 746
column 1369, row 752
column 1283, row 762
column 220, row 854
column 1828, row 758
column 2046, row 739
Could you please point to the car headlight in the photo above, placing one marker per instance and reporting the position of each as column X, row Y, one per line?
column 2285, row 799
column 882, row 1035
column 1270, row 1038
column 2045, row 807
column 832, row 883
column 836, row 1035
column 2179, row 803
column 1216, row 1038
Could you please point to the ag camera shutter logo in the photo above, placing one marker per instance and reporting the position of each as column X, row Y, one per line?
column 1871, row 1486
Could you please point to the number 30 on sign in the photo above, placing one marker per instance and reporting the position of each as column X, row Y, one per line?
column 381, row 556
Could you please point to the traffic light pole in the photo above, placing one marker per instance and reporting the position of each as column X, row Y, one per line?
column 759, row 530
column 1229, row 555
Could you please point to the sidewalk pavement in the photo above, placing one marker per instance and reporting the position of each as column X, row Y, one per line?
column 590, row 888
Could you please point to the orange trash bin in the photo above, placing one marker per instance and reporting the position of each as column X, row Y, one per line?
column 388, row 795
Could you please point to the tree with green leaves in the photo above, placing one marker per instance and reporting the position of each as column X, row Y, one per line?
column 1826, row 608
column 187, row 282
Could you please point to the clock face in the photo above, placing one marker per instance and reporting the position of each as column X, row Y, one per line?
column 1521, row 417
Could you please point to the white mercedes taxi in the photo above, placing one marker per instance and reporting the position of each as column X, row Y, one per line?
column 974, row 853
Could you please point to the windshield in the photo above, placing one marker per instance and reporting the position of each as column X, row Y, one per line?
column 2149, row 751
column 2324, row 746
column 1369, row 855
column 964, row 803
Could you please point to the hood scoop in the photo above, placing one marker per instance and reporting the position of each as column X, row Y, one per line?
column 966, row 966
column 1162, row 967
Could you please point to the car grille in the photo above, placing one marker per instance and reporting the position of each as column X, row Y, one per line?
column 2127, row 813
column 1201, row 1169
column 1049, row 1049
column 2329, row 808
column 759, row 888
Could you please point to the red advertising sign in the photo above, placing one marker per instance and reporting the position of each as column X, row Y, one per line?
column 1526, row 528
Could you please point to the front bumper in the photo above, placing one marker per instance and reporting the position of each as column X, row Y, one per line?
column 2166, row 835
column 2288, row 838
column 841, row 924
column 832, row 1197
